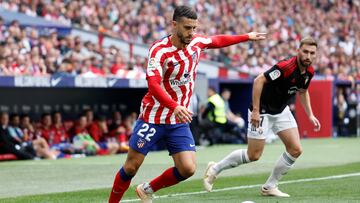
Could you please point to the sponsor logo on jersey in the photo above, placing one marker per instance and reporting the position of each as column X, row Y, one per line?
column 140, row 143
column 274, row 74
column 186, row 79
column 186, row 74
column 293, row 90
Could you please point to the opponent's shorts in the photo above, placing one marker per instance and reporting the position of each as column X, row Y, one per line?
column 177, row 137
column 271, row 124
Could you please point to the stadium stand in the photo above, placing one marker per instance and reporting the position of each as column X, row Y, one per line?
column 145, row 21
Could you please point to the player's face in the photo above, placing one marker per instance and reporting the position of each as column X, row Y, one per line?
column 185, row 29
column 307, row 54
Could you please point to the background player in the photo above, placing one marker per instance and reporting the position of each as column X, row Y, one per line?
column 269, row 111
column 171, row 73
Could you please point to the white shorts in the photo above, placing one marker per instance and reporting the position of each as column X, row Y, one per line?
column 275, row 123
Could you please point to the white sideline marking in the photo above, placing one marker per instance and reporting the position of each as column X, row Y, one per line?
column 251, row 186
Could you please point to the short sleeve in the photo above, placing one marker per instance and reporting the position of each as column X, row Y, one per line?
column 274, row 74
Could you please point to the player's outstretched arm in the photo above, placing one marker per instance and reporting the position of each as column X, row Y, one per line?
column 220, row 41
column 255, row 36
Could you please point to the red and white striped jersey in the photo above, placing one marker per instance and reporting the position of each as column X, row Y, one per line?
column 177, row 68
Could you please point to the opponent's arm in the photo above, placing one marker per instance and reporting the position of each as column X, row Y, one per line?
column 219, row 41
column 256, row 94
column 305, row 101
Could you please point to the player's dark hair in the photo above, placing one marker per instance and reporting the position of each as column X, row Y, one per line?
column 184, row 11
column 308, row 41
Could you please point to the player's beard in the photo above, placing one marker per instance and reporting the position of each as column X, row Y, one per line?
column 305, row 64
column 182, row 38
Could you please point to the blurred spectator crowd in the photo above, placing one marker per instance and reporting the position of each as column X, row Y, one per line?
column 334, row 23
column 53, row 138
column 24, row 52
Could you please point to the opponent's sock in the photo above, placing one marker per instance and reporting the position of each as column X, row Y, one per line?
column 232, row 160
column 169, row 177
column 282, row 166
column 121, row 184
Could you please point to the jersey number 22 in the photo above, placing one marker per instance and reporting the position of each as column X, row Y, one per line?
column 146, row 132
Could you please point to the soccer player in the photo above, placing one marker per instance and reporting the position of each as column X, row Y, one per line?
column 269, row 112
column 171, row 73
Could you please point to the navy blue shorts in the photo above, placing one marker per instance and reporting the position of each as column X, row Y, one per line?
column 177, row 137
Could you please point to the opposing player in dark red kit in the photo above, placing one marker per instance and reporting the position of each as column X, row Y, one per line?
column 269, row 112
column 171, row 73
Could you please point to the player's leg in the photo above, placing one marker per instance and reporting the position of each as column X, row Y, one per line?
column 144, row 136
column 234, row 159
column 125, row 174
column 256, row 142
column 185, row 166
column 287, row 130
column 181, row 146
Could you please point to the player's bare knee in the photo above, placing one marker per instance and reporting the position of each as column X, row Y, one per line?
column 254, row 156
column 295, row 152
column 131, row 168
column 188, row 170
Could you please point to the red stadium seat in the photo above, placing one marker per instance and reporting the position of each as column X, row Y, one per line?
column 7, row 157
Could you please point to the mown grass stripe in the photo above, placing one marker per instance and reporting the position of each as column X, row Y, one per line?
column 252, row 186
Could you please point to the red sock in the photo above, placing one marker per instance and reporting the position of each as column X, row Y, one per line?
column 168, row 178
column 118, row 189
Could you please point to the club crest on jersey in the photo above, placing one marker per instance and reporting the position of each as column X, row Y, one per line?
column 274, row 74
column 140, row 143
column 193, row 56
column 306, row 79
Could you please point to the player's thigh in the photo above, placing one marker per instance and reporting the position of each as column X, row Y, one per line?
column 255, row 148
column 185, row 162
column 291, row 139
column 285, row 127
column 145, row 136
column 178, row 138
column 283, row 121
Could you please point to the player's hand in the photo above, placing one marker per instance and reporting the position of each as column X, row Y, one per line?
column 315, row 122
column 257, row 36
column 255, row 119
column 183, row 114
